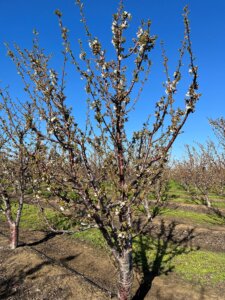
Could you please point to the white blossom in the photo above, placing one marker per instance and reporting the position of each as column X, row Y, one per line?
column 82, row 55
column 104, row 66
column 83, row 224
column 113, row 42
column 123, row 203
column 140, row 32
column 53, row 119
column 189, row 107
column 124, row 24
column 141, row 49
column 160, row 104
column 121, row 235
column 171, row 87
column 126, row 15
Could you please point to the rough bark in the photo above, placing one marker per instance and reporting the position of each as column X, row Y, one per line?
column 125, row 275
column 207, row 201
column 14, row 232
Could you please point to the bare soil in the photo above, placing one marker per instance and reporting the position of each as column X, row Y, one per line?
column 207, row 238
column 49, row 266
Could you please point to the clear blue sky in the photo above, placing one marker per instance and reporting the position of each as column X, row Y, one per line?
column 19, row 18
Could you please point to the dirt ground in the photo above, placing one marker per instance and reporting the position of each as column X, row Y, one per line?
column 210, row 238
column 48, row 266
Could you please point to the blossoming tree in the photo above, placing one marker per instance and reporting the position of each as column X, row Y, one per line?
column 218, row 126
column 16, row 151
column 110, row 170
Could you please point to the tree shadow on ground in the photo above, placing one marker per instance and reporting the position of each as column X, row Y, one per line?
column 216, row 213
column 160, row 295
column 154, row 256
column 12, row 286
column 48, row 236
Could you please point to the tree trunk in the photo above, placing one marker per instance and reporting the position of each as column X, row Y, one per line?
column 207, row 201
column 14, row 231
column 125, row 275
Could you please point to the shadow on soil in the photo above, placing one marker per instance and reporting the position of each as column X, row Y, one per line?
column 11, row 286
column 159, row 295
column 48, row 236
column 217, row 213
column 162, row 250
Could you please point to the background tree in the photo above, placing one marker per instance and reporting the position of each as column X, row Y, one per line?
column 15, row 154
column 216, row 166
column 218, row 126
column 180, row 172
column 201, row 172
column 108, row 169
